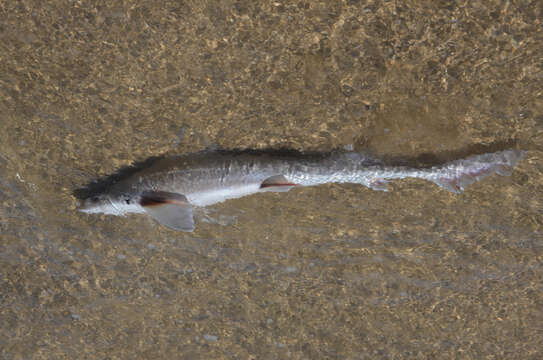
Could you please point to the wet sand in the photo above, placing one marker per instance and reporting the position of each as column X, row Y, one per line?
column 330, row 272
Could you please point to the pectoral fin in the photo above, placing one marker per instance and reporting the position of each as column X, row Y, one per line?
column 277, row 183
column 170, row 209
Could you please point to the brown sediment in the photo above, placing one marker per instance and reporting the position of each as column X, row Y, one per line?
column 334, row 271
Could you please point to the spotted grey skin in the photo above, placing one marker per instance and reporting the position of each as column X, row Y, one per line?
column 208, row 178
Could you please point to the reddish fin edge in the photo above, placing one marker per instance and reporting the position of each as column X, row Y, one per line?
column 274, row 185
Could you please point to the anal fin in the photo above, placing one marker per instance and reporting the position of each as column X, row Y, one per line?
column 379, row 184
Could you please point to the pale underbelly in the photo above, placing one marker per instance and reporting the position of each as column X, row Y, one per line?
column 214, row 196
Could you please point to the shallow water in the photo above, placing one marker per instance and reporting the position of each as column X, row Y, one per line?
column 334, row 272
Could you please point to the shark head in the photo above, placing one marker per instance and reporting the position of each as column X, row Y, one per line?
column 110, row 205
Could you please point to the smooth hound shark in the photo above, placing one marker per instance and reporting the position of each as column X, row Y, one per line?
column 170, row 189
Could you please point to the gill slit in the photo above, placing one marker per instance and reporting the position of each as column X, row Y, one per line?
column 115, row 207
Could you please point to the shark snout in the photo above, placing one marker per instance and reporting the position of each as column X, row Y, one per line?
column 91, row 205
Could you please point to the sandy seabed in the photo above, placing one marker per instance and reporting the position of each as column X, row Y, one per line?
column 331, row 272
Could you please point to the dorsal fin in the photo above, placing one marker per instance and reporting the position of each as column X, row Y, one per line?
column 170, row 209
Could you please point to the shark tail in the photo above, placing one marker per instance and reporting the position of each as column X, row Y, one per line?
column 456, row 175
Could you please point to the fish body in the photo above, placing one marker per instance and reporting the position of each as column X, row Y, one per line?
column 169, row 189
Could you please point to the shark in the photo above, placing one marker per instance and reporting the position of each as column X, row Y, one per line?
column 171, row 188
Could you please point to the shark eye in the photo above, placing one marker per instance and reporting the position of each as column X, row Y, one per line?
column 95, row 199
column 127, row 201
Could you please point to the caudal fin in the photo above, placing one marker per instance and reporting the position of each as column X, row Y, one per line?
column 456, row 175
